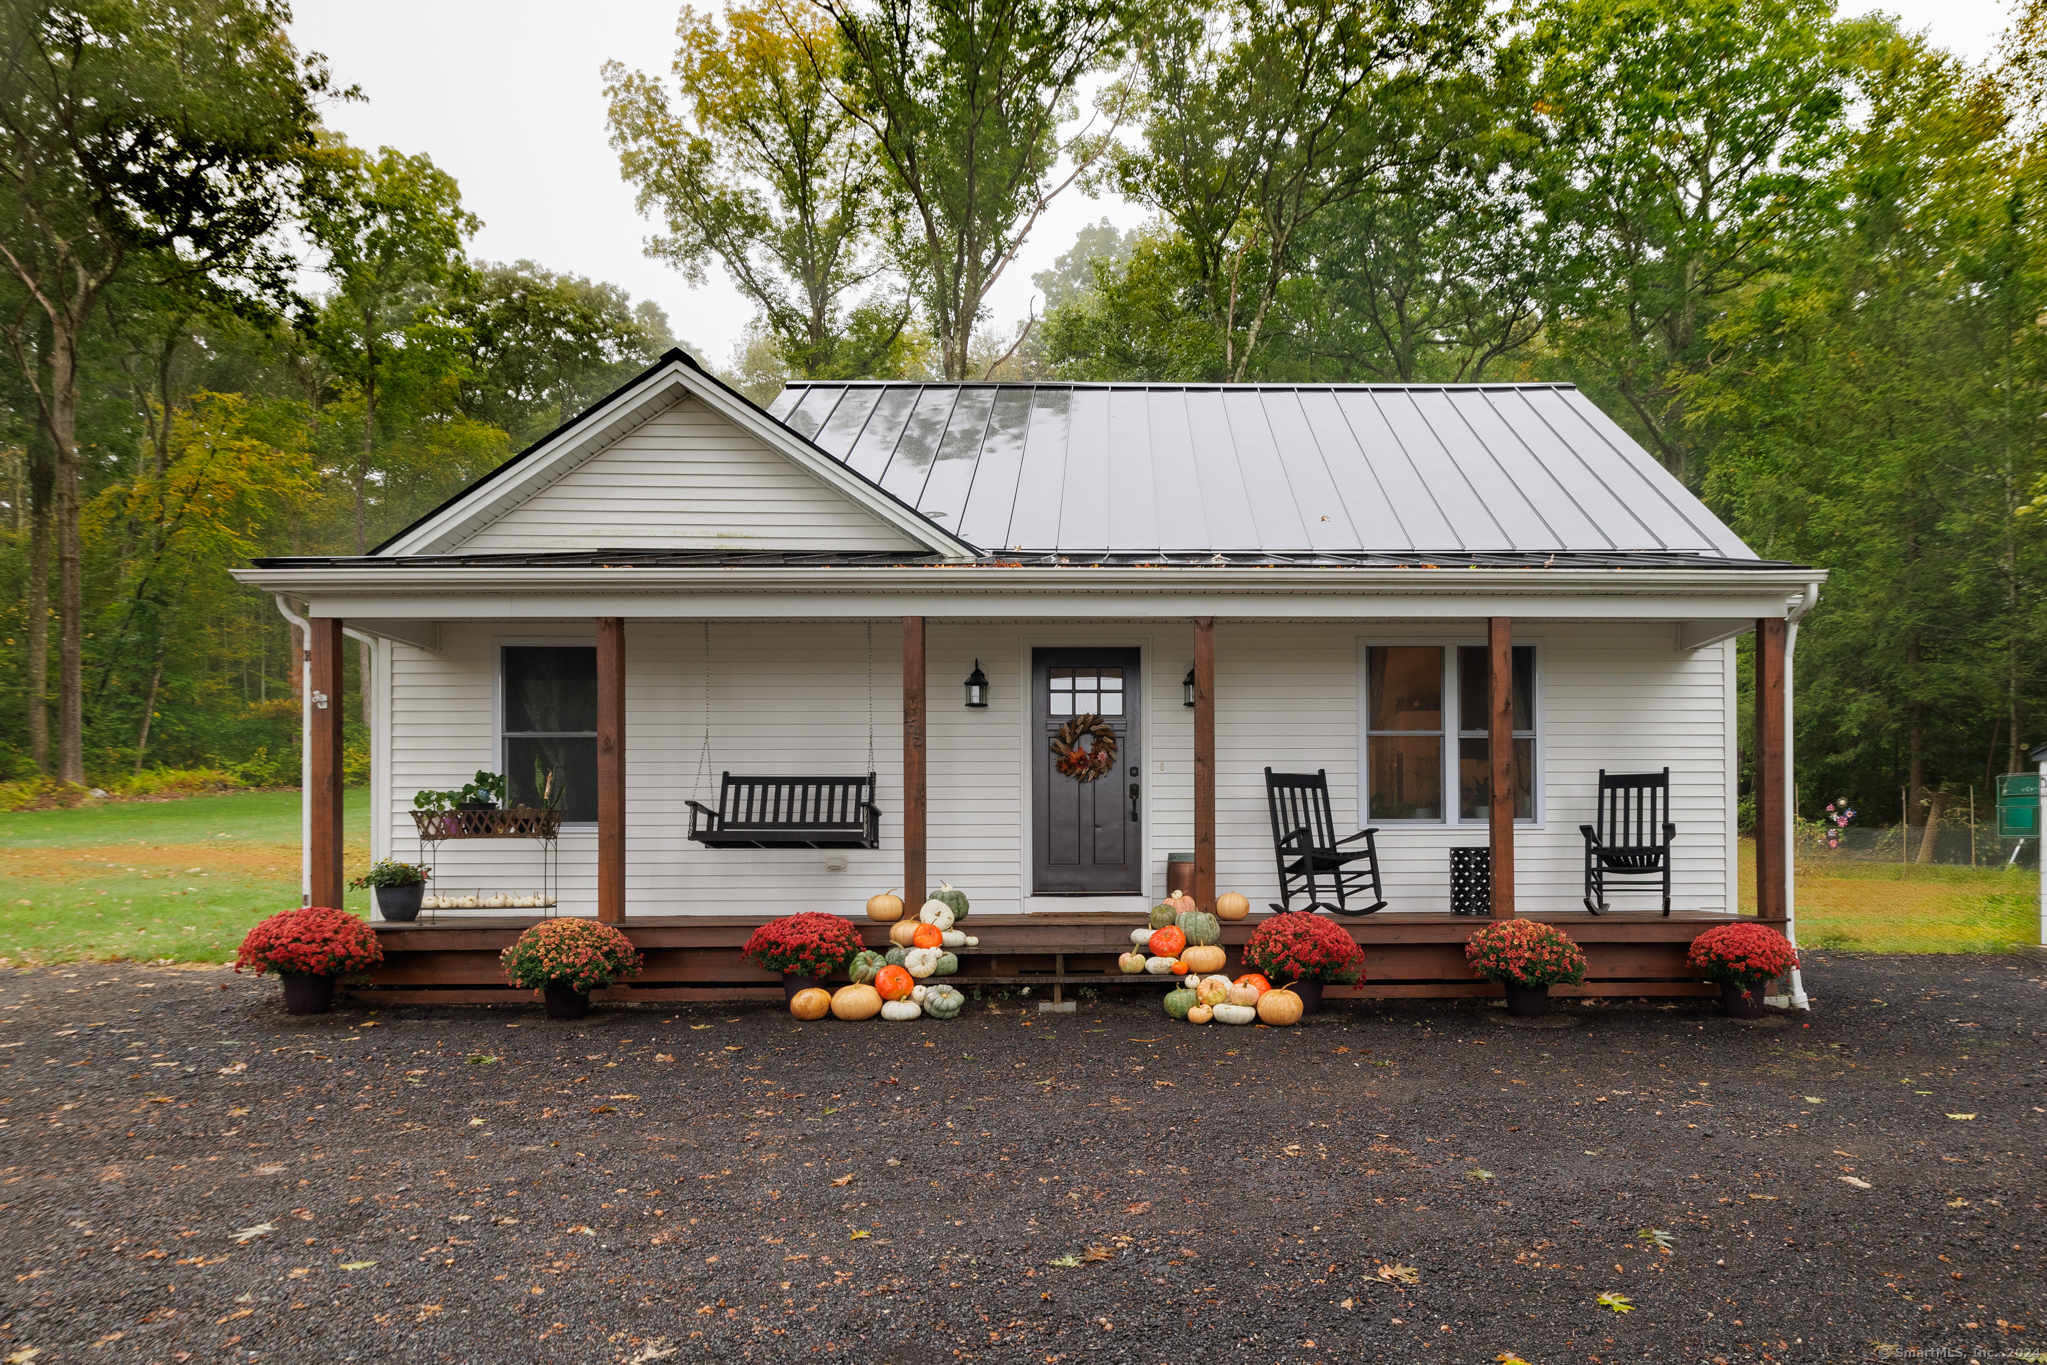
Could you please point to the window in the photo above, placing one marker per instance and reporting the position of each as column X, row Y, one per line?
column 1407, row 724
column 551, row 727
column 1474, row 742
column 1085, row 691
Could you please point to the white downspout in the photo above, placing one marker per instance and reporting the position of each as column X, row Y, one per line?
column 1797, row 999
column 305, row 749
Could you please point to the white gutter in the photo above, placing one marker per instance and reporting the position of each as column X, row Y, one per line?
column 1797, row 999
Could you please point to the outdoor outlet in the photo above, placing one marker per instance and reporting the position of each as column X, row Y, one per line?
column 835, row 864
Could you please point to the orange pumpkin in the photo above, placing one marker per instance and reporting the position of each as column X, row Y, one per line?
column 1203, row 959
column 1255, row 979
column 1230, row 905
column 903, row 933
column 1180, row 969
column 810, row 1003
column 1167, row 942
column 894, row 983
column 927, row 936
column 1281, row 1007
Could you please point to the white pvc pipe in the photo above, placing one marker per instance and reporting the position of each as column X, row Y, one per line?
column 1798, row 999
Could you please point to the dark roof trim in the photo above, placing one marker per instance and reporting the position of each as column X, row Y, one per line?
column 1166, row 386
column 885, row 559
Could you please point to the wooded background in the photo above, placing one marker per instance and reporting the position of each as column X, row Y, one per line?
column 1798, row 254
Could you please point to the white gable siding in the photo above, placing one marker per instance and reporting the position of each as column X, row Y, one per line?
column 793, row 697
column 687, row 479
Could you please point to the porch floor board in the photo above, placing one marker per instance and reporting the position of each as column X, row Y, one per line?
column 697, row 957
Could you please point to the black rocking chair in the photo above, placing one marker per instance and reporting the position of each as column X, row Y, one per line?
column 1633, row 838
column 1305, row 843
column 789, row 812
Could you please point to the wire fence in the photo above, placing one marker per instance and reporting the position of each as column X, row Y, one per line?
column 1956, row 842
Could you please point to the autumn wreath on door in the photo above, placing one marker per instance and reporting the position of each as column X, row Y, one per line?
column 1085, row 764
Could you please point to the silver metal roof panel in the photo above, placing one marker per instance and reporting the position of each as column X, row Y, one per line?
column 1286, row 468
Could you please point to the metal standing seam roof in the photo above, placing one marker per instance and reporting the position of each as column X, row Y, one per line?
column 1279, row 468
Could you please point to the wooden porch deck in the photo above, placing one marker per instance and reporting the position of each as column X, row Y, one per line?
column 697, row 957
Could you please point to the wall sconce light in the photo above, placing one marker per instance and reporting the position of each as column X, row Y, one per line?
column 1187, row 688
column 977, row 686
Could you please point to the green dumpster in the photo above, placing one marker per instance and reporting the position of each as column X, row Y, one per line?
column 2018, row 806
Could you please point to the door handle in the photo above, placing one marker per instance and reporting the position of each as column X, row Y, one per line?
column 1134, row 789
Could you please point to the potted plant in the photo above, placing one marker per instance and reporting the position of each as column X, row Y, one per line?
column 398, row 888
column 441, row 805
column 805, row 948
column 566, row 959
column 1304, row 951
column 1527, row 957
column 485, row 792
column 310, row 948
column 1741, row 957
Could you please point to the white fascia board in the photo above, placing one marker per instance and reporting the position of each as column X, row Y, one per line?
column 789, row 594
column 444, row 531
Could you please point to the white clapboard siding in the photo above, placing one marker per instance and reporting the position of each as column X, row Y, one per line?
column 798, row 697
column 687, row 479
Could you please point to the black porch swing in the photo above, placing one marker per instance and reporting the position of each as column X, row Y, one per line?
column 787, row 812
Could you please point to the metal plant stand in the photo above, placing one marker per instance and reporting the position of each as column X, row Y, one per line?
column 520, row 822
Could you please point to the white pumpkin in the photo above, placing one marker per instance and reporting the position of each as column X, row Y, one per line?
column 952, row 938
column 469, row 902
column 937, row 913
column 1226, row 1014
column 921, row 962
column 917, row 993
column 1140, row 936
column 900, row 1010
column 1160, row 966
column 973, row 942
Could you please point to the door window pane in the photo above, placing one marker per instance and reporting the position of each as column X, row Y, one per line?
column 1407, row 777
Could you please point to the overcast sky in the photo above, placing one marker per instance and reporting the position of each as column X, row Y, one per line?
column 506, row 96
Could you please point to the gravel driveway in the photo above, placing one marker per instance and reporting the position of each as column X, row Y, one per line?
column 191, row 1174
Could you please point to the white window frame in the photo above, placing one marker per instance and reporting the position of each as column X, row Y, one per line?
column 1453, row 724
column 497, row 699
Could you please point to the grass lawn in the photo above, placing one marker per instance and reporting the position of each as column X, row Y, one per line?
column 1888, row 908
column 148, row 880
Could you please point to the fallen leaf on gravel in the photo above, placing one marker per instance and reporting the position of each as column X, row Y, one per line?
column 703, row 1026
column 1132, row 1210
column 845, row 1179
column 657, row 1349
column 481, row 1059
column 1814, row 1099
column 1662, row 1240
column 1961, row 1116
column 1068, row 1261
column 858, row 1233
column 622, row 1097
column 1619, row 1303
column 476, row 1123
column 238, row 1313
column 1348, row 1303
column 1096, row 1254
column 1509, row 1358
column 250, row 1234
column 663, row 1057
column 1400, row 1274
column 24, row 1355
column 168, row 1099
column 237, row 1069
column 605, row 1109
column 1858, row 1184
column 586, row 1231
column 1477, row 1174
column 357, row 1265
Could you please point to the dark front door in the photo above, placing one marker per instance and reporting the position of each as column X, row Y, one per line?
column 1086, row 838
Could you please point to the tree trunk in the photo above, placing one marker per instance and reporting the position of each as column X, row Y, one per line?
column 1932, row 834
column 149, row 707
column 70, row 568
column 37, row 688
column 1915, row 774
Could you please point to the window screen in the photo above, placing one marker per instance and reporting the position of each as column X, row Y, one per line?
column 550, row 727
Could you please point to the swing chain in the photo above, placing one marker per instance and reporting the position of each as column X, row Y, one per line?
column 870, row 696
column 704, row 755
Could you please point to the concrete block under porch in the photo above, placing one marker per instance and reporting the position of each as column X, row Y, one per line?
column 697, row 957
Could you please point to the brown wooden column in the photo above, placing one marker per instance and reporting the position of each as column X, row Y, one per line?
column 1772, row 810
column 914, row 788
column 324, row 737
column 611, row 769
column 1500, row 750
column 1204, row 762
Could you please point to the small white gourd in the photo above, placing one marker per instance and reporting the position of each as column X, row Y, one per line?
column 1160, row 966
column 1233, row 1014
column 899, row 1010
column 973, row 942
column 921, row 962
column 953, row 938
column 936, row 913
column 1140, row 937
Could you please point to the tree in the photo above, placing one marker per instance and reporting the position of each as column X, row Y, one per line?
column 542, row 346
column 964, row 100
column 155, row 132
column 770, row 175
column 1262, row 117
column 393, row 229
column 1684, row 141
column 1072, row 275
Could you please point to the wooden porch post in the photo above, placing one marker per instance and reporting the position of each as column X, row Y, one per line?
column 611, row 769
column 913, row 762
column 1772, row 811
column 1500, row 749
column 323, row 793
column 1204, row 762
